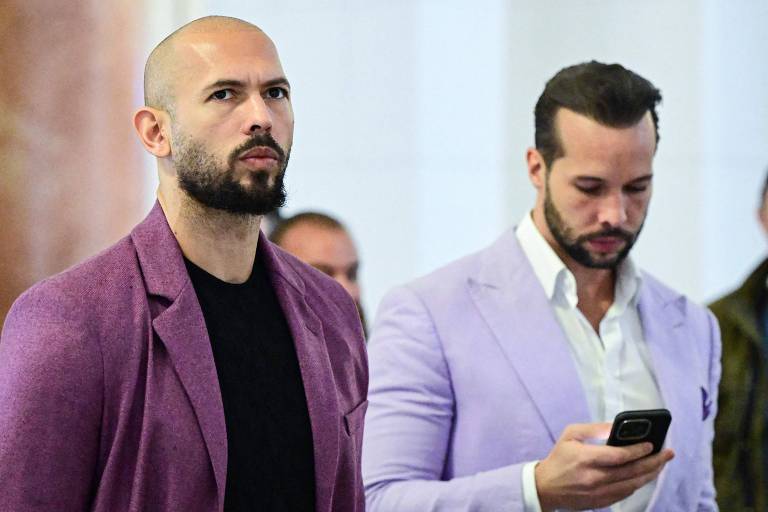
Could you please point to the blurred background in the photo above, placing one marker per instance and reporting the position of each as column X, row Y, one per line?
column 412, row 121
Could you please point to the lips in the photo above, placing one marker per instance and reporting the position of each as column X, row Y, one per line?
column 606, row 244
column 260, row 153
column 260, row 158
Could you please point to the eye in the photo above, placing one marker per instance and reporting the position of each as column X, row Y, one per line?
column 590, row 190
column 223, row 94
column 277, row 93
column 635, row 189
column 325, row 269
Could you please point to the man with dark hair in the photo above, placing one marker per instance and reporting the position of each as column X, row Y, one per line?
column 494, row 380
column 193, row 366
column 583, row 89
column 323, row 242
column 741, row 429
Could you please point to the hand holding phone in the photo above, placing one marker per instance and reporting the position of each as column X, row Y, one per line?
column 578, row 474
column 642, row 426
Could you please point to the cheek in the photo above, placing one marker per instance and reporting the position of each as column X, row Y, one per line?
column 354, row 291
column 222, row 137
column 638, row 207
column 580, row 211
column 282, row 124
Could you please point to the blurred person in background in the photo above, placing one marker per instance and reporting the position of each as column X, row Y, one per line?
column 494, row 379
column 325, row 243
column 193, row 365
column 270, row 221
column 741, row 429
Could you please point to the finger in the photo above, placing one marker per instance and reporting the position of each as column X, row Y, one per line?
column 617, row 491
column 586, row 431
column 619, row 455
column 637, row 468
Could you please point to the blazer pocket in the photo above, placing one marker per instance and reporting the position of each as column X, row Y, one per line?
column 354, row 419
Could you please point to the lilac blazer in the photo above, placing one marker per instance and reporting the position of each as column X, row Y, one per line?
column 109, row 399
column 471, row 377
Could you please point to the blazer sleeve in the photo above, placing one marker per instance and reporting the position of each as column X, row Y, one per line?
column 714, row 348
column 50, row 408
column 410, row 418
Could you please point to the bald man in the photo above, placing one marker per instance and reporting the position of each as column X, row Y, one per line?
column 323, row 242
column 193, row 366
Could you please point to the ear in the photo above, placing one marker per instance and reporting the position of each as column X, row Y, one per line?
column 536, row 168
column 762, row 217
column 150, row 124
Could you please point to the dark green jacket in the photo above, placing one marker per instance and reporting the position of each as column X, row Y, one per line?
column 740, row 426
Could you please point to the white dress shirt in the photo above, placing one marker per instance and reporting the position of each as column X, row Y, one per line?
column 614, row 364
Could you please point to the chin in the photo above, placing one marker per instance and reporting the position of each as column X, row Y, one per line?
column 606, row 263
column 256, row 175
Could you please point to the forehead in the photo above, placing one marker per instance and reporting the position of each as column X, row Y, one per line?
column 319, row 244
column 244, row 54
column 583, row 138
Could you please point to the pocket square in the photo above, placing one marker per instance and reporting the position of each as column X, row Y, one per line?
column 706, row 404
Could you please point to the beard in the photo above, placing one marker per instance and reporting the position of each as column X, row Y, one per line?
column 576, row 247
column 216, row 186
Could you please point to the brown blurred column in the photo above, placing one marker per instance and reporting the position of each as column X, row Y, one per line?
column 71, row 176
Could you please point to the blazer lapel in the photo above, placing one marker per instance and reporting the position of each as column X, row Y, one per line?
column 316, row 371
column 673, row 362
column 513, row 304
column 181, row 328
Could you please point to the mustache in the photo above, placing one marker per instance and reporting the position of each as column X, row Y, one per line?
column 612, row 232
column 258, row 140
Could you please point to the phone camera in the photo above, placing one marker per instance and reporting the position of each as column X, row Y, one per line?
column 631, row 430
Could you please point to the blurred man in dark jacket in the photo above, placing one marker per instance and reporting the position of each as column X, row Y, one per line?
column 741, row 427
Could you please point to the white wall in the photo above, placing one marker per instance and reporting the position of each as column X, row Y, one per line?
column 412, row 120
column 734, row 145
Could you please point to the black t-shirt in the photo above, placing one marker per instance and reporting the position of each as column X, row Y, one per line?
column 270, row 459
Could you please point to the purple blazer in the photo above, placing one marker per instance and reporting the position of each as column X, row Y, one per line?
column 109, row 399
column 472, row 376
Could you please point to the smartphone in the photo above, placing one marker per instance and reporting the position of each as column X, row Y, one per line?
column 649, row 425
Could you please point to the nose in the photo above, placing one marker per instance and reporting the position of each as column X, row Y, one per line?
column 258, row 118
column 613, row 210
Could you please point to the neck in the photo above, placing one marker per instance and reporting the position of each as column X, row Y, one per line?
column 595, row 287
column 221, row 243
column 595, row 292
column 593, row 284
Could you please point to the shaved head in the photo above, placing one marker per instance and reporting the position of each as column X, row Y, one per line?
column 218, row 116
column 162, row 67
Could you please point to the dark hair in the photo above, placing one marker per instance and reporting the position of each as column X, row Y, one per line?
column 608, row 93
column 314, row 218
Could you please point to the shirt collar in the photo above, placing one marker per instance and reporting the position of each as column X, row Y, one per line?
column 628, row 284
column 547, row 265
column 554, row 276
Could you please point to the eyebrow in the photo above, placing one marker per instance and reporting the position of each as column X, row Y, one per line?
column 240, row 84
column 646, row 177
column 277, row 81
